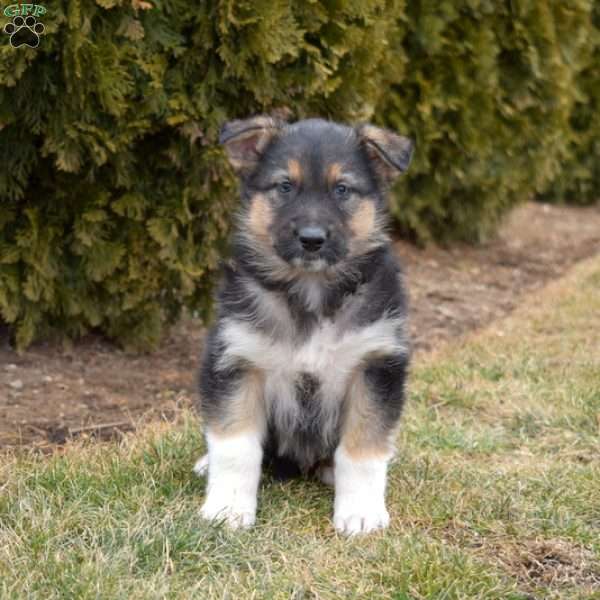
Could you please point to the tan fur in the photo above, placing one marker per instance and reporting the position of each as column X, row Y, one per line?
column 378, row 138
column 334, row 172
column 260, row 217
column 256, row 132
column 295, row 170
column 377, row 135
column 363, row 434
column 246, row 408
column 363, row 221
column 237, row 163
column 380, row 146
column 265, row 138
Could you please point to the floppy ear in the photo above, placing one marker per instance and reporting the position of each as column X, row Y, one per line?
column 388, row 152
column 245, row 140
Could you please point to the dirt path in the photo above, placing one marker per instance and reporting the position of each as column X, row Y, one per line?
column 49, row 394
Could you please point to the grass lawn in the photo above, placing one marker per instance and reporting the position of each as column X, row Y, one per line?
column 494, row 492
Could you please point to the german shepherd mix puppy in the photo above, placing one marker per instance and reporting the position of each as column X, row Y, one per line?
column 306, row 363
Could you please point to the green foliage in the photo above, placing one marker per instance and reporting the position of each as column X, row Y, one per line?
column 116, row 200
column 578, row 180
column 487, row 94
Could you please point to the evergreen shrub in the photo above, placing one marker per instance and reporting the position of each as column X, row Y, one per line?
column 487, row 92
column 578, row 180
column 116, row 200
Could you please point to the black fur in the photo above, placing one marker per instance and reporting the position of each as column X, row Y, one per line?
column 351, row 282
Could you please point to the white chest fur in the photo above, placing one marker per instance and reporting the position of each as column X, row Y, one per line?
column 330, row 354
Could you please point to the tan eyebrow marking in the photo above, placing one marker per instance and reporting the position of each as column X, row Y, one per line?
column 294, row 170
column 334, row 172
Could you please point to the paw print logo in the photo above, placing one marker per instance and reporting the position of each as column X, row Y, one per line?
column 24, row 31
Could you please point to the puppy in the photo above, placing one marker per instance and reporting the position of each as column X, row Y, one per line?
column 306, row 364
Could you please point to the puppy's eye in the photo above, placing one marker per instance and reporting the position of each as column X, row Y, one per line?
column 285, row 187
column 341, row 190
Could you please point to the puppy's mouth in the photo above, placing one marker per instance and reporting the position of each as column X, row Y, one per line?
column 313, row 262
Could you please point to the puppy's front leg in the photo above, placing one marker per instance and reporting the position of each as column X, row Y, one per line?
column 360, row 491
column 232, row 405
column 234, row 463
column 373, row 405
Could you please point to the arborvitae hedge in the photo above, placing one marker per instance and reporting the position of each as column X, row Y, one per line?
column 578, row 179
column 115, row 198
column 116, row 201
column 488, row 90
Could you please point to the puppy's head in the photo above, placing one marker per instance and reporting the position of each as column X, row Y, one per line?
column 313, row 191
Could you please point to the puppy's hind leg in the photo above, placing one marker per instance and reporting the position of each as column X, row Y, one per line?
column 325, row 473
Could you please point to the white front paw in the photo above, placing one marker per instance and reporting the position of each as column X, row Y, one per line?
column 236, row 512
column 353, row 518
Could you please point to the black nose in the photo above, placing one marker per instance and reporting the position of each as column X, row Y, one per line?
column 312, row 238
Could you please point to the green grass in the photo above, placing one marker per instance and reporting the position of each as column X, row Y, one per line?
column 494, row 493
